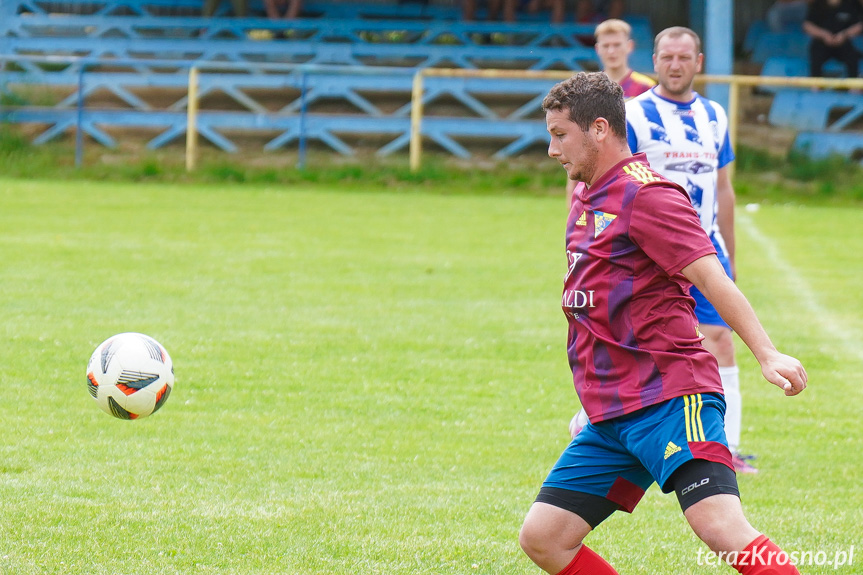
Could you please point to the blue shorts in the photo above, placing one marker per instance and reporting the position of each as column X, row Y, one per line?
column 704, row 310
column 620, row 458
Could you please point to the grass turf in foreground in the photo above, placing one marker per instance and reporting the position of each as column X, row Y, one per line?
column 366, row 383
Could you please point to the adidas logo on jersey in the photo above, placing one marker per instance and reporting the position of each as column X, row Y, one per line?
column 671, row 449
column 581, row 221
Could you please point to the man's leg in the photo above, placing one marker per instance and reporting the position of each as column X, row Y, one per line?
column 595, row 476
column 850, row 58
column 720, row 523
column 719, row 341
column 817, row 57
column 710, row 500
column 552, row 537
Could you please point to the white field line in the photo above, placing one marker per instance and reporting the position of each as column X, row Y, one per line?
column 822, row 318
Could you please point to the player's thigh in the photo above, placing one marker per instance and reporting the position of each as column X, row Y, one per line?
column 719, row 521
column 719, row 341
column 550, row 526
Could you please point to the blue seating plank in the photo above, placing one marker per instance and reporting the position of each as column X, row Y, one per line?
column 789, row 66
column 808, row 110
column 753, row 33
column 419, row 56
column 788, row 44
column 123, row 48
column 642, row 29
column 824, row 144
column 373, row 35
column 325, row 128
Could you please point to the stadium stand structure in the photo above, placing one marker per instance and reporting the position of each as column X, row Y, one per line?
column 85, row 53
column 827, row 121
column 98, row 63
column 820, row 145
column 286, row 114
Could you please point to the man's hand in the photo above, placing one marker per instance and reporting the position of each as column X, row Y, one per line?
column 786, row 372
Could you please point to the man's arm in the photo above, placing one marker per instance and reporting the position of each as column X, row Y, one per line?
column 850, row 32
column 816, row 32
column 707, row 275
column 725, row 213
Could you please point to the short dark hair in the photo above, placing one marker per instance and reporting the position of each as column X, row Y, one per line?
column 677, row 32
column 588, row 96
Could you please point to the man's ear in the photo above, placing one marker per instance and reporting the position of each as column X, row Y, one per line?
column 601, row 129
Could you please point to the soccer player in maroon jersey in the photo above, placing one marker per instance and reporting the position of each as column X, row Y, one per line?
column 614, row 44
column 634, row 245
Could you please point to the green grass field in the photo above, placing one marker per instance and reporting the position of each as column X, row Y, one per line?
column 368, row 382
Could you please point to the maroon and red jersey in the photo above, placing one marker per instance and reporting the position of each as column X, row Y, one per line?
column 633, row 336
column 635, row 84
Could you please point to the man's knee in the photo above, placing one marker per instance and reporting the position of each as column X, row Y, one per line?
column 542, row 545
column 720, row 523
column 719, row 341
column 534, row 540
column 549, row 531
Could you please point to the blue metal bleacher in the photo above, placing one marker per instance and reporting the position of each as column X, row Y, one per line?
column 755, row 30
column 785, row 44
column 808, row 110
column 98, row 60
column 299, row 52
column 821, row 145
column 825, row 120
column 396, row 12
column 298, row 89
column 787, row 66
column 795, row 67
column 340, row 40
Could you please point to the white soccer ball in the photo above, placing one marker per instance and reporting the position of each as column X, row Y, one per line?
column 130, row 375
column 579, row 420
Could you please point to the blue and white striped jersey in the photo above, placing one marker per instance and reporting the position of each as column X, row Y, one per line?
column 687, row 142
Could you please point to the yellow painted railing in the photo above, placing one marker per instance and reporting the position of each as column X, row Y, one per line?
column 734, row 82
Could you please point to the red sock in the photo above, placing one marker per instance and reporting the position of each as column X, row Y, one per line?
column 764, row 557
column 587, row 562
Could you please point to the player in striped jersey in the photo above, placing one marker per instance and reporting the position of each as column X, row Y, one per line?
column 685, row 138
column 634, row 245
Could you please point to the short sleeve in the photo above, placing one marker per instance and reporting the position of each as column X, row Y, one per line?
column 631, row 138
column 666, row 227
column 726, row 153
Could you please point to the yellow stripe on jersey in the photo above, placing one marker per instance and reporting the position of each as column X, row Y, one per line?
column 640, row 172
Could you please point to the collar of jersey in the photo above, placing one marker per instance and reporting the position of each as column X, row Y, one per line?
column 604, row 179
column 677, row 103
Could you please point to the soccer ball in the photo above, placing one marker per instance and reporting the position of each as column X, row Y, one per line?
column 130, row 375
column 579, row 420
